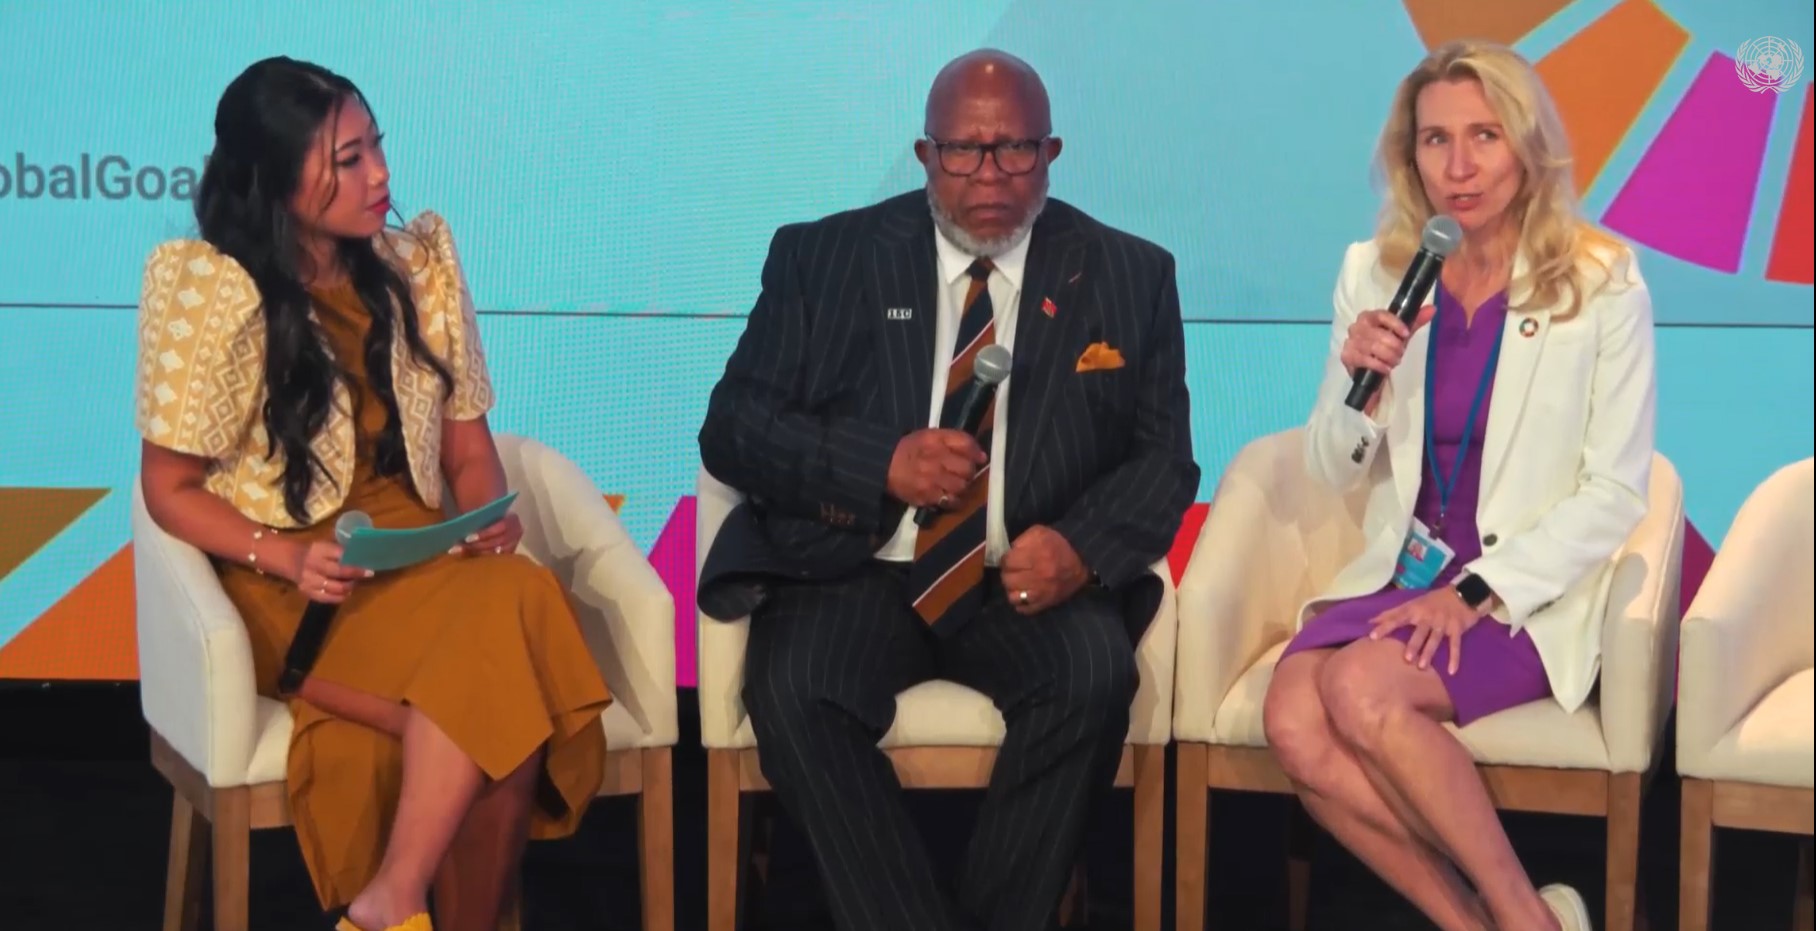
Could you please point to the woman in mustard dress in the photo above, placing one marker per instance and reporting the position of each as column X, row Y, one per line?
column 302, row 360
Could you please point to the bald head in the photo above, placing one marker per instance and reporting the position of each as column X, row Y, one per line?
column 986, row 147
column 987, row 75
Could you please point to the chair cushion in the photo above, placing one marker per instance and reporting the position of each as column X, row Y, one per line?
column 1538, row 733
column 271, row 743
column 622, row 732
column 931, row 714
column 1238, row 719
column 1772, row 745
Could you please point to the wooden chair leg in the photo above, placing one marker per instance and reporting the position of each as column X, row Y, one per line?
column 722, row 799
column 1150, row 834
column 1696, row 850
column 232, row 851
column 1805, row 919
column 1301, row 836
column 1191, row 834
column 1623, row 850
column 188, row 858
column 656, row 838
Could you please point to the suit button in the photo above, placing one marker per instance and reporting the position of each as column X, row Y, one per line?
column 1490, row 540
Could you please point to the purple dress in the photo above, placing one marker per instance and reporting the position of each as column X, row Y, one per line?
column 1498, row 671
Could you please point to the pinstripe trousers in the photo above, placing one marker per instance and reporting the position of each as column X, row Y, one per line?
column 824, row 664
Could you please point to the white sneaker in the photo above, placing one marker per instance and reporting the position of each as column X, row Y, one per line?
column 1572, row 914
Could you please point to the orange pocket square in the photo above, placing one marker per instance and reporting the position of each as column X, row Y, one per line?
column 1099, row 357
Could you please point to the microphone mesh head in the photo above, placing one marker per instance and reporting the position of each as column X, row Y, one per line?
column 1442, row 236
column 349, row 522
column 991, row 365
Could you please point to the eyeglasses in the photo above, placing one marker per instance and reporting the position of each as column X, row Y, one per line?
column 1013, row 157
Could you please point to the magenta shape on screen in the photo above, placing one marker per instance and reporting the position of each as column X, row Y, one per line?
column 673, row 559
column 1691, row 195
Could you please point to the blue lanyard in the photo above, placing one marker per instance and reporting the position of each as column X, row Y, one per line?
column 1448, row 484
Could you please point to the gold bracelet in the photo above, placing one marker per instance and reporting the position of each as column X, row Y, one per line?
column 252, row 554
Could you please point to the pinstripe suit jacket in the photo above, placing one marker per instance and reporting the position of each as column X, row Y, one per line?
column 825, row 381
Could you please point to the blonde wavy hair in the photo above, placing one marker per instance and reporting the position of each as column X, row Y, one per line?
column 1561, row 248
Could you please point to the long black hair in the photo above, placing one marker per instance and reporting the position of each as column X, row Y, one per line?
column 265, row 123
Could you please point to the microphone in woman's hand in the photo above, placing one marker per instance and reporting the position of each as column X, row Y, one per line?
column 350, row 522
column 312, row 627
column 1442, row 236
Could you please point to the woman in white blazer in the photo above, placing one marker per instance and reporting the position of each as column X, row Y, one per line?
column 1506, row 459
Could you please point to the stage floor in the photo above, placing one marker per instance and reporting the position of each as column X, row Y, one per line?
column 84, row 821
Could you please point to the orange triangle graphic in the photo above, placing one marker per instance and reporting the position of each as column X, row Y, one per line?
column 1503, row 21
column 33, row 517
column 616, row 501
column 88, row 634
column 1603, row 77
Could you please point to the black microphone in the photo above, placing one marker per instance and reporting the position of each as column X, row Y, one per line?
column 1441, row 237
column 987, row 371
column 312, row 630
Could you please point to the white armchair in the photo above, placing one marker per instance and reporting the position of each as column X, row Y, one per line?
column 1275, row 537
column 945, row 736
column 1744, row 719
column 224, row 748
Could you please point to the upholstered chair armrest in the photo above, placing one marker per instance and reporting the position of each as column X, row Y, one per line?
column 1640, row 626
column 1151, row 716
column 626, row 614
column 195, row 659
column 1234, row 604
column 719, row 644
column 1749, row 628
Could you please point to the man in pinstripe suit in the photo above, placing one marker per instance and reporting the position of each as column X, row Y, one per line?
column 836, row 419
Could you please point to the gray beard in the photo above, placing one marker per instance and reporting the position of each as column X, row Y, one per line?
column 984, row 248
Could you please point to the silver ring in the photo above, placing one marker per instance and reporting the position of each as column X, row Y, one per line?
column 1022, row 596
column 945, row 500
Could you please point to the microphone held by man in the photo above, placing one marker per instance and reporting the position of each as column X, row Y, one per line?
column 991, row 367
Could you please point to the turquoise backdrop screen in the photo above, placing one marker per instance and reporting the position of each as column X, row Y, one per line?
column 613, row 171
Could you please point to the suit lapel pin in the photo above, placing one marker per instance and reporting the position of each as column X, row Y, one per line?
column 1529, row 328
column 1048, row 307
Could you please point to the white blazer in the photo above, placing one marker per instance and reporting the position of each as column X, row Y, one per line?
column 1567, row 453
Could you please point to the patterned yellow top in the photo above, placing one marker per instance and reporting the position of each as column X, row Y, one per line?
column 201, row 372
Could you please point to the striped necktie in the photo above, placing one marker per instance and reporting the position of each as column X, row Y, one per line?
column 947, row 576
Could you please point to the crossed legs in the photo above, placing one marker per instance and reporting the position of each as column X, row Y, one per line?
column 452, row 828
column 1360, row 733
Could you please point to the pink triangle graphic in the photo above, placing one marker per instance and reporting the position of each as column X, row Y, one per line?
column 673, row 559
column 1692, row 194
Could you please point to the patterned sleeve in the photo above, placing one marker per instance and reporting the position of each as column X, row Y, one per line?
column 454, row 317
column 201, row 350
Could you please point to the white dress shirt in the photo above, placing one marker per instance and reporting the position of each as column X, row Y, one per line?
column 1005, row 294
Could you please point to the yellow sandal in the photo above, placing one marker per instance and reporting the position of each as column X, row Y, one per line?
column 415, row 923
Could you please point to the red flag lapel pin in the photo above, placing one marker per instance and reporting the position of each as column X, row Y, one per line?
column 1048, row 307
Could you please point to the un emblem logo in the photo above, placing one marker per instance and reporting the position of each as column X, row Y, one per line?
column 1769, row 63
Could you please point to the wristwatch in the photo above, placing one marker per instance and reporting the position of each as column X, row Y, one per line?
column 1474, row 591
